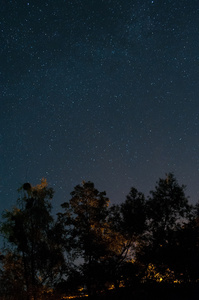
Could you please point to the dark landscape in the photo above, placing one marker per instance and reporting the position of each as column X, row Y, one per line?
column 142, row 248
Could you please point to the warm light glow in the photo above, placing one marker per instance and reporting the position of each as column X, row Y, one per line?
column 73, row 297
column 167, row 276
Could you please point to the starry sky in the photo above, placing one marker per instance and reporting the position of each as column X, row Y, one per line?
column 99, row 90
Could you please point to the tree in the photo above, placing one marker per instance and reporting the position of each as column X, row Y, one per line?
column 168, row 206
column 129, row 220
column 88, row 232
column 167, row 212
column 185, row 250
column 29, row 230
column 11, row 280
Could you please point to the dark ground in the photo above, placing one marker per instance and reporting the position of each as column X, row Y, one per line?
column 152, row 292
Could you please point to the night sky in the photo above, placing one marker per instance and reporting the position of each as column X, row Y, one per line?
column 99, row 90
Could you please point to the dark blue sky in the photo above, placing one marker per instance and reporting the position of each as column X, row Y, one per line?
column 105, row 91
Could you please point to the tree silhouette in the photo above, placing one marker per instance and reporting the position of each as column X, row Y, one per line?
column 167, row 212
column 29, row 230
column 129, row 220
column 89, row 233
column 93, row 245
column 184, row 251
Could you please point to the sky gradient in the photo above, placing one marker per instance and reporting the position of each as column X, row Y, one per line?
column 105, row 91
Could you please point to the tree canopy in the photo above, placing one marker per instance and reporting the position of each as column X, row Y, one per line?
column 92, row 246
column 29, row 230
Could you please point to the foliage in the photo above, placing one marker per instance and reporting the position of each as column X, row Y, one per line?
column 97, row 246
column 29, row 229
column 87, row 228
column 128, row 219
column 167, row 212
column 168, row 206
column 134, row 213
column 12, row 281
column 153, row 275
column 184, row 253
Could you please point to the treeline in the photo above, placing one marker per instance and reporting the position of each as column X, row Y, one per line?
column 91, row 246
